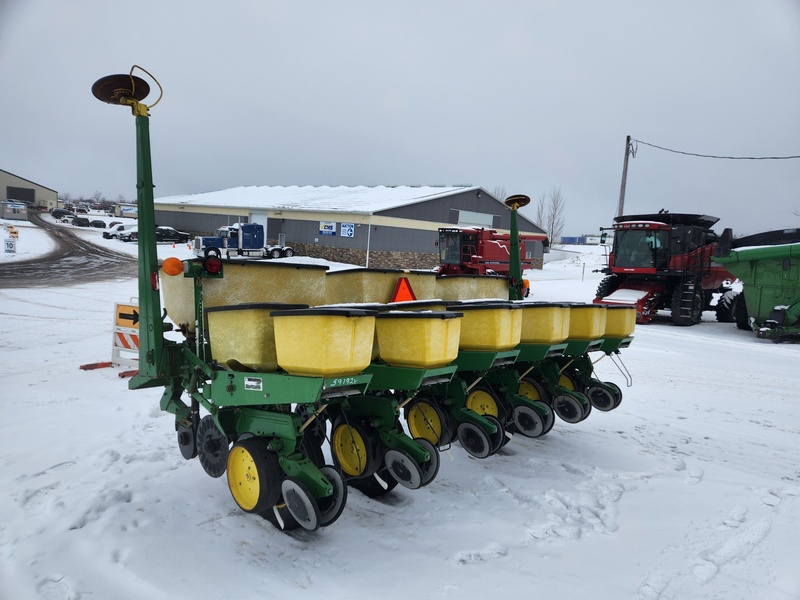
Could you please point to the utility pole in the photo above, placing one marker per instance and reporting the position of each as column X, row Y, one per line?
column 629, row 151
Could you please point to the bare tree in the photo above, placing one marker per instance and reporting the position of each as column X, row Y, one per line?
column 541, row 212
column 550, row 214
column 555, row 215
column 499, row 192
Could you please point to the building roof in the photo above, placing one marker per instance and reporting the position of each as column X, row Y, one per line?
column 29, row 181
column 350, row 199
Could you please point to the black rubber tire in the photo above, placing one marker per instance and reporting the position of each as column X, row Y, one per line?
column 301, row 503
column 740, row 314
column 474, row 440
column 330, row 508
column 367, row 465
column 288, row 253
column 568, row 409
column 497, row 437
column 608, row 285
column 536, row 392
column 430, row 469
column 275, row 253
column 312, row 450
column 420, row 426
column 212, row 447
column 187, row 441
column 371, row 487
column 697, row 306
column 602, row 399
column 283, row 520
column 268, row 473
column 725, row 306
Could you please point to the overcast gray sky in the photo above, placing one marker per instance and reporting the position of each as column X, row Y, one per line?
column 524, row 95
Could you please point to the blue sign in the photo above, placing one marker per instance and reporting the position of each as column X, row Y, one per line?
column 348, row 230
column 327, row 228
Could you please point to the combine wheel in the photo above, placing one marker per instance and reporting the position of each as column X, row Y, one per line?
column 568, row 408
column 254, row 476
column 354, row 448
column 212, row 447
column 430, row 468
column 403, row 468
column 426, row 420
column 474, row 440
column 375, row 485
column 187, row 441
column 533, row 390
column 530, row 423
column 301, row 503
column 601, row 398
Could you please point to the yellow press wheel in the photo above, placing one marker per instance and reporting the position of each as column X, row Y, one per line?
column 533, row 390
column 566, row 382
column 254, row 476
column 425, row 420
column 483, row 402
column 353, row 447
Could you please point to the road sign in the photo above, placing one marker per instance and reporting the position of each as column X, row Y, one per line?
column 11, row 246
column 127, row 315
column 125, row 340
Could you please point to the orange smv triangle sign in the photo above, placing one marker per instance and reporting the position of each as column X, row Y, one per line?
column 403, row 291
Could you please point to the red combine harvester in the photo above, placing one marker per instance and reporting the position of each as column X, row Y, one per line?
column 481, row 251
column 663, row 261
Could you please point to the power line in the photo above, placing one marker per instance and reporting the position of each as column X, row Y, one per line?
column 713, row 156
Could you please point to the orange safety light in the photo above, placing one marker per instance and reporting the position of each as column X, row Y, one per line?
column 403, row 291
column 172, row 266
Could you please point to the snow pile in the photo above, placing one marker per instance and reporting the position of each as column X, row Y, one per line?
column 690, row 489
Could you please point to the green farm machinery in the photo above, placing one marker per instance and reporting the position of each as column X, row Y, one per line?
column 271, row 367
column 768, row 265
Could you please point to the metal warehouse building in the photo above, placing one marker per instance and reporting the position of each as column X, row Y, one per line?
column 13, row 187
column 379, row 227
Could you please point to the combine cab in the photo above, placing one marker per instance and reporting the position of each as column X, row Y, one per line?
column 663, row 261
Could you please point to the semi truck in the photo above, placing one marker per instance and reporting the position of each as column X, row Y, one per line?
column 246, row 240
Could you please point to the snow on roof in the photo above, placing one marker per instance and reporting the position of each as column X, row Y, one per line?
column 351, row 199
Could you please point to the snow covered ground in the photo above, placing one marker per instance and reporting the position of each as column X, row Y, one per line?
column 690, row 489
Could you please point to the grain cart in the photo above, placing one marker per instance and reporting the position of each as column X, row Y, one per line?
column 768, row 264
column 663, row 261
column 257, row 416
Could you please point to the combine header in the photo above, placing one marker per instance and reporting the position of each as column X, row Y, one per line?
column 663, row 261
